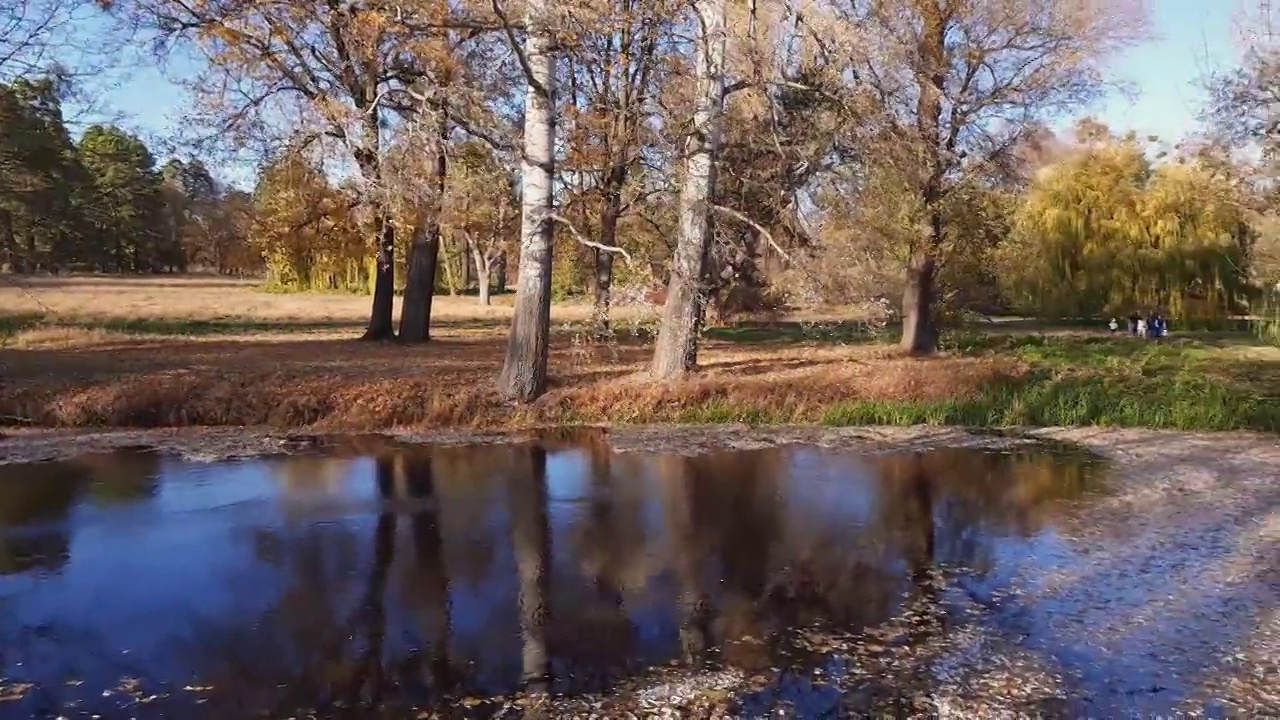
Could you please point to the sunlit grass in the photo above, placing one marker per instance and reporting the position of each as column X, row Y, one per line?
column 213, row 352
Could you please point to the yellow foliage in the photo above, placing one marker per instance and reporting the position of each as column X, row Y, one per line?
column 1103, row 232
column 307, row 232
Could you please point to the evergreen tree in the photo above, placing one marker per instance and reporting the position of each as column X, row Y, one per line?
column 127, row 208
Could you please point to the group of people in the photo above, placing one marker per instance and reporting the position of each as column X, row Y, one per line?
column 1154, row 325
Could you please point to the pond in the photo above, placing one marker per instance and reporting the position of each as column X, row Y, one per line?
column 135, row 584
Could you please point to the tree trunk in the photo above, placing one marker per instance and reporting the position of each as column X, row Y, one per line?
column 603, row 286
column 7, row 245
column 380, row 325
column 531, row 544
column 450, row 277
column 480, row 260
column 500, row 272
column 677, row 347
column 468, row 275
column 919, row 321
column 415, row 311
column 603, row 290
column 431, row 572
column 524, row 371
column 919, row 327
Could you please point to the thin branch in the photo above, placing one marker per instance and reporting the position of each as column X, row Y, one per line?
column 516, row 48
column 768, row 236
column 573, row 230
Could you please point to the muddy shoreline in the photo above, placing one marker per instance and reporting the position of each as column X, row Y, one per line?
column 211, row 444
column 1169, row 600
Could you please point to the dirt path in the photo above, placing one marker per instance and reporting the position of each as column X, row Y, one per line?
column 1161, row 596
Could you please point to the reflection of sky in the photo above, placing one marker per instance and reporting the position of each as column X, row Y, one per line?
column 138, row 570
column 840, row 488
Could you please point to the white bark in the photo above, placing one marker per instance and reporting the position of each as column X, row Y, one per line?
column 677, row 344
column 524, row 373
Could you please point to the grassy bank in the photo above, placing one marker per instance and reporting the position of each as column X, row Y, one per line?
column 297, row 365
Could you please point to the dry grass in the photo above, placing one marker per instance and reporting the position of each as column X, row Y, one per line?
column 211, row 298
column 76, row 374
column 93, row 351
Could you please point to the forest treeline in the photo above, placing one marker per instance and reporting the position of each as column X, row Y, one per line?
column 707, row 155
column 101, row 202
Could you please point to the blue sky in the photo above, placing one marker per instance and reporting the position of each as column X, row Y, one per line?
column 1190, row 38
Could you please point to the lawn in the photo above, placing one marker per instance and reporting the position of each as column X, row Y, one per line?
column 92, row 351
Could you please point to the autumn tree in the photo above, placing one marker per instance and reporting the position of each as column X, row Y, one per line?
column 305, row 229
column 611, row 70
column 949, row 87
column 1105, row 231
column 330, row 73
column 481, row 206
column 191, row 207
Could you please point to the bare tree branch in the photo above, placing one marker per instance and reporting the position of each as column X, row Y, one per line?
column 582, row 240
column 768, row 236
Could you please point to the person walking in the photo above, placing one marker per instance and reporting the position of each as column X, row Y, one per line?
column 1113, row 325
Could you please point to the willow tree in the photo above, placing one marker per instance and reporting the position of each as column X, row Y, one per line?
column 1102, row 231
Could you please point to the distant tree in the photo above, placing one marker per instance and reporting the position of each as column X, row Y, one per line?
column 126, row 208
column 42, row 182
column 1103, row 231
column 230, row 250
column 482, row 207
column 305, row 230
column 192, row 198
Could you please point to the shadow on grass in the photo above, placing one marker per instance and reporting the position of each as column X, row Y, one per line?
column 791, row 331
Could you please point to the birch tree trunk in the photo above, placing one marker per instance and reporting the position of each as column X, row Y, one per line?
column 677, row 347
column 424, row 254
column 480, row 261
column 524, row 371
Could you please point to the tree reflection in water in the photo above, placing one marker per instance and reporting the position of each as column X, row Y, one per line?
column 36, row 501
column 531, row 544
column 446, row 583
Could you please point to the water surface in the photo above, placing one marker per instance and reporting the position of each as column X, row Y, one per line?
column 138, row 585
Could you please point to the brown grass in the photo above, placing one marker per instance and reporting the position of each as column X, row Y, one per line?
column 64, row 376
column 216, row 298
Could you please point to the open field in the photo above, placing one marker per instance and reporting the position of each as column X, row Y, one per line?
column 93, row 351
